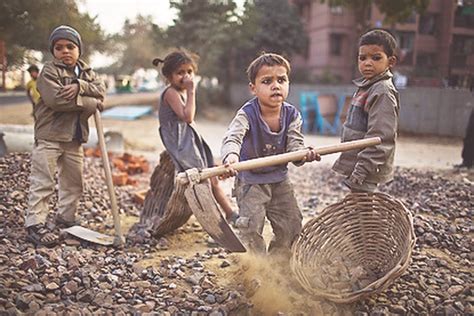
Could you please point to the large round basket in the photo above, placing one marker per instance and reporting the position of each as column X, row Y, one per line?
column 165, row 207
column 354, row 248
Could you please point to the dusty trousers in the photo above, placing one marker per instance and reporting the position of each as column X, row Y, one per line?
column 275, row 201
column 47, row 157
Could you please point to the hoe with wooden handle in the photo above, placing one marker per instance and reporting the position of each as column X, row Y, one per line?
column 90, row 235
column 204, row 206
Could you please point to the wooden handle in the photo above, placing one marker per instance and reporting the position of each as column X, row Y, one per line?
column 281, row 158
column 118, row 241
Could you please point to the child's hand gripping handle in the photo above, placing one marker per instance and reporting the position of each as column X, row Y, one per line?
column 281, row 158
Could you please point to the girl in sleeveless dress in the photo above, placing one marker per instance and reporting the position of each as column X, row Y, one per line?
column 176, row 116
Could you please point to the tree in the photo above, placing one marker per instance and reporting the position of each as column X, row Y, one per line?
column 278, row 29
column 27, row 24
column 136, row 46
column 227, row 40
column 269, row 26
column 204, row 27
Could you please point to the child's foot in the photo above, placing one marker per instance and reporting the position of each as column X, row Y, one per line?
column 462, row 166
column 62, row 223
column 40, row 235
column 232, row 217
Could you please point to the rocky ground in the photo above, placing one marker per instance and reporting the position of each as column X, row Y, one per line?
column 182, row 274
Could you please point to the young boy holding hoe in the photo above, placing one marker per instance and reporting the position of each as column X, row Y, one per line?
column 70, row 93
column 266, row 125
column 373, row 112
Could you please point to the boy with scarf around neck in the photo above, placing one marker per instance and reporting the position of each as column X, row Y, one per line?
column 374, row 112
column 70, row 92
column 266, row 125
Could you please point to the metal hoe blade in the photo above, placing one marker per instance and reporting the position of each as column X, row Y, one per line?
column 206, row 210
column 90, row 235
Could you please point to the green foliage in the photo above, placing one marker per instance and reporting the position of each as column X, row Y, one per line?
column 136, row 46
column 396, row 11
column 205, row 27
column 278, row 29
column 227, row 40
column 27, row 24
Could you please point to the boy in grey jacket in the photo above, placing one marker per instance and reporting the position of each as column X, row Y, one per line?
column 373, row 112
column 70, row 93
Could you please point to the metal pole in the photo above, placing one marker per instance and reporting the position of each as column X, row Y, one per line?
column 3, row 60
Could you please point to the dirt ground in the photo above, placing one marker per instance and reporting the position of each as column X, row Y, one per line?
column 141, row 137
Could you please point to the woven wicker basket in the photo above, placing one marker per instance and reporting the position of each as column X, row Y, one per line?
column 354, row 248
column 165, row 207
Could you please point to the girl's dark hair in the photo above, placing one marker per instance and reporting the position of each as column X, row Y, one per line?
column 266, row 59
column 174, row 60
column 380, row 37
column 32, row 68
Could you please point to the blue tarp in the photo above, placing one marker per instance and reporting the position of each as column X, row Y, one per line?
column 127, row 112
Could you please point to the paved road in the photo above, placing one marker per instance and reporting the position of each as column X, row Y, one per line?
column 13, row 98
column 142, row 134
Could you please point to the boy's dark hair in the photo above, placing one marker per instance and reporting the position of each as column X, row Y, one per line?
column 174, row 60
column 32, row 68
column 380, row 37
column 266, row 59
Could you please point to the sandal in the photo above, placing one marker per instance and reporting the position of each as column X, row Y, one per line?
column 39, row 235
column 232, row 218
column 62, row 223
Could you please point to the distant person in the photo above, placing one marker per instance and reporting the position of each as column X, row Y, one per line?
column 31, row 91
column 70, row 93
column 176, row 116
column 467, row 153
column 266, row 125
column 374, row 112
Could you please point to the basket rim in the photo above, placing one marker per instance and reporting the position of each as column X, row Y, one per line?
column 377, row 285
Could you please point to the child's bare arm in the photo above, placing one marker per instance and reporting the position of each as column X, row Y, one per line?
column 185, row 110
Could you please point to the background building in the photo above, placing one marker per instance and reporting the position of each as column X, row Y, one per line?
column 436, row 47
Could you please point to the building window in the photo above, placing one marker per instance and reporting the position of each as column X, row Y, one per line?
column 462, row 47
column 336, row 9
column 335, row 41
column 463, row 44
column 406, row 41
column 425, row 59
column 428, row 23
column 411, row 19
column 464, row 16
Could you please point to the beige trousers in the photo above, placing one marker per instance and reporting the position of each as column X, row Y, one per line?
column 67, row 158
column 275, row 201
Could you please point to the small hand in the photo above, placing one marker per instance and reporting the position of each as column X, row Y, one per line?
column 231, row 172
column 100, row 105
column 69, row 91
column 312, row 155
column 188, row 82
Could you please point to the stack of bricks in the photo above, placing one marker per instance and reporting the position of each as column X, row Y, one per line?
column 123, row 166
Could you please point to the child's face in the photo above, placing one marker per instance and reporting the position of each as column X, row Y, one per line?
column 184, row 72
column 66, row 51
column 271, row 86
column 373, row 60
column 34, row 74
